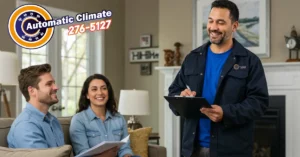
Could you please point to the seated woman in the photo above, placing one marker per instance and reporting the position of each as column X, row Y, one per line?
column 97, row 119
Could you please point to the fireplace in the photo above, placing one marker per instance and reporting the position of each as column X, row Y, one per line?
column 269, row 130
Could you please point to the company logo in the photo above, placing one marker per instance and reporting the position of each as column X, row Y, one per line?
column 236, row 66
column 30, row 26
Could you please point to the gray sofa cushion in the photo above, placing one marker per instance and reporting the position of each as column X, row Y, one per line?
column 5, row 124
column 63, row 151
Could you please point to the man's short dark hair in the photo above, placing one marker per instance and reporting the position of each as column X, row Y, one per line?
column 30, row 77
column 234, row 11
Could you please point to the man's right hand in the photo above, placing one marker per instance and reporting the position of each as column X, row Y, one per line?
column 187, row 93
column 113, row 152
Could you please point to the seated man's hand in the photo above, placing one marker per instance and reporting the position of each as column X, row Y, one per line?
column 127, row 155
column 113, row 152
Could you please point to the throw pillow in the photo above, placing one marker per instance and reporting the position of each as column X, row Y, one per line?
column 139, row 141
column 63, row 151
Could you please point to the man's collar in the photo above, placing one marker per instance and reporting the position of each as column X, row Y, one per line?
column 37, row 113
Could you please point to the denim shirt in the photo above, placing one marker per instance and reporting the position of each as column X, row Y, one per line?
column 34, row 129
column 87, row 130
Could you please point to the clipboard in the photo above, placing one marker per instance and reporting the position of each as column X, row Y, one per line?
column 188, row 107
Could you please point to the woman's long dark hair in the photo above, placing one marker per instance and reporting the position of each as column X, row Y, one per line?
column 84, row 103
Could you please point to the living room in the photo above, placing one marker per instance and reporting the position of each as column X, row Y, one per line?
column 167, row 22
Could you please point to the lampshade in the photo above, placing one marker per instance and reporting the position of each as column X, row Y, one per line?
column 9, row 68
column 134, row 102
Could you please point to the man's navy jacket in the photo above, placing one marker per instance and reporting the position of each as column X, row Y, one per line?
column 242, row 93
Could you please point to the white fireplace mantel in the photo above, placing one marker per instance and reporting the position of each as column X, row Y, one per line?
column 282, row 79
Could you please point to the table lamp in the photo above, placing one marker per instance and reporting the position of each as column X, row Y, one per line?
column 9, row 70
column 134, row 103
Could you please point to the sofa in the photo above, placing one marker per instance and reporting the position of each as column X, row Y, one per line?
column 5, row 123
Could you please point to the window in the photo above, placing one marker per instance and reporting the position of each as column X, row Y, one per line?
column 35, row 56
column 72, row 58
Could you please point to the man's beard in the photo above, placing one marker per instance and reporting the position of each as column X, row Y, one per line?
column 217, row 42
column 48, row 100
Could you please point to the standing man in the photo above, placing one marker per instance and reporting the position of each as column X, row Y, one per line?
column 35, row 127
column 232, row 80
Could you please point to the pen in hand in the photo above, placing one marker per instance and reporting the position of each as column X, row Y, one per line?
column 188, row 87
column 191, row 95
column 187, row 92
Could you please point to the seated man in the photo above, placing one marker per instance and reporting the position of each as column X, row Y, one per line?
column 35, row 127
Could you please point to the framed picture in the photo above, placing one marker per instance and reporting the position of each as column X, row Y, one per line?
column 146, row 68
column 254, row 25
column 137, row 55
column 145, row 41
